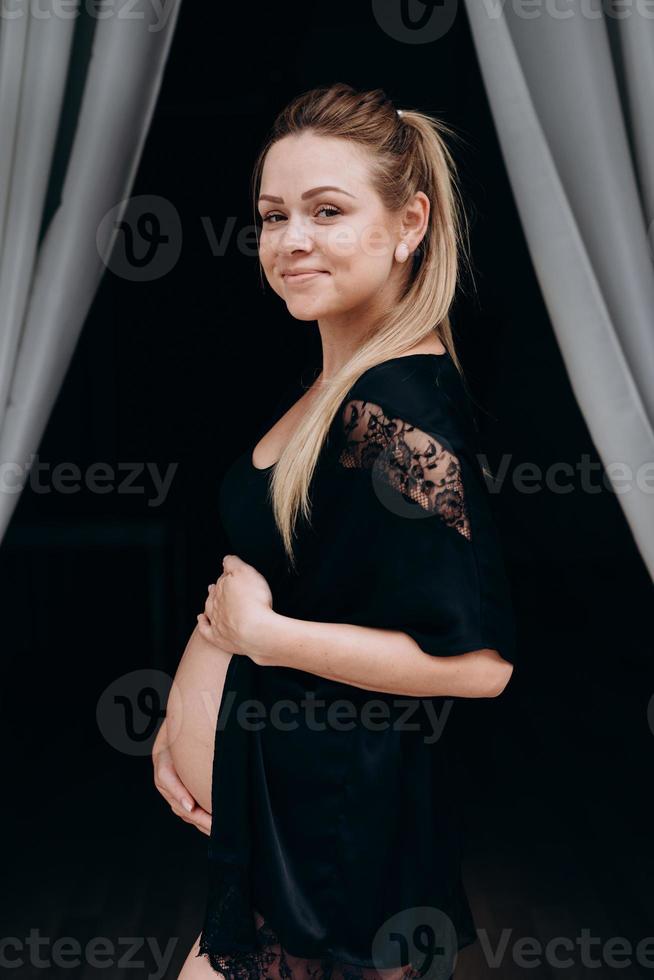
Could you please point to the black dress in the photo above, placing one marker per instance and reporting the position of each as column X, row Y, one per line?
column 336, row 837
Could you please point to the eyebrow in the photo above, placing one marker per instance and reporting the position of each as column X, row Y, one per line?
column 314, row 190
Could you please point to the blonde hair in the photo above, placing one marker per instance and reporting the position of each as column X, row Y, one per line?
column 408, row 153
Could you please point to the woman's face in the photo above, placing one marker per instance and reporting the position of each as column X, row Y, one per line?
column 320, row 213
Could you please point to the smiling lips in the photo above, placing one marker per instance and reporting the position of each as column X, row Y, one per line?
column 303, row 275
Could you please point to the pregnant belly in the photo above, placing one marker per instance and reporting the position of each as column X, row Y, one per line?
column 192, row 713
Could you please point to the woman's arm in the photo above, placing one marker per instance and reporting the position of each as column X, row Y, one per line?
column 183, row 749
column 172, row 788
column 383, row 660
column 239, row 616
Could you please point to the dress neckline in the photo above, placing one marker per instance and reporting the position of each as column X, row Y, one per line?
column 249, row 453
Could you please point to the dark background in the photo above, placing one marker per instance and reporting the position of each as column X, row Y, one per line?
column 181, row 370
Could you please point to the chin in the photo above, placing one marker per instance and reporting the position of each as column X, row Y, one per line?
column 299, row 313
column 307, row 307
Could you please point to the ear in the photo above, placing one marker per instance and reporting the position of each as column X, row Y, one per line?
column 415, row 220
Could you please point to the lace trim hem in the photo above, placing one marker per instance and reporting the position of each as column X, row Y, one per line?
column 270, row 961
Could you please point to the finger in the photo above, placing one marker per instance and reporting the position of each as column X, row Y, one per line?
column 199, row 818
column 179, row 812
column 160, row 743
column 204, row 628
column 170, row 785
column 207, row 630
column 173, row 801
column 210, row 599
column 161, row 738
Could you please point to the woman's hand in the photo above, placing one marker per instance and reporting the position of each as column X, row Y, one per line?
column 171, row 787
column 236, row 607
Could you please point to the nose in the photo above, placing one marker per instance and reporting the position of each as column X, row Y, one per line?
column 295, row 236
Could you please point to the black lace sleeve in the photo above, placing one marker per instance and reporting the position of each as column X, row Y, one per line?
column 411, row 461
column 433, row 567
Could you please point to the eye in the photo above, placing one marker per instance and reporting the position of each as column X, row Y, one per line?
column 328, row 207
column 323, row 207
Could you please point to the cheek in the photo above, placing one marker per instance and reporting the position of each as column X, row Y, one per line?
column 359, row 254
column 360, row 275
column 267, row 260
column 265, row 251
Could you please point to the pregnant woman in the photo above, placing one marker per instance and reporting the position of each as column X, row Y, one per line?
column 366, row 589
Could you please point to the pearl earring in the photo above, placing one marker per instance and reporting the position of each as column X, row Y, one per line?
column 402, row 252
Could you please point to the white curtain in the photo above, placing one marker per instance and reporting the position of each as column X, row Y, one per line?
column 47, row 286
column 571, row 89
